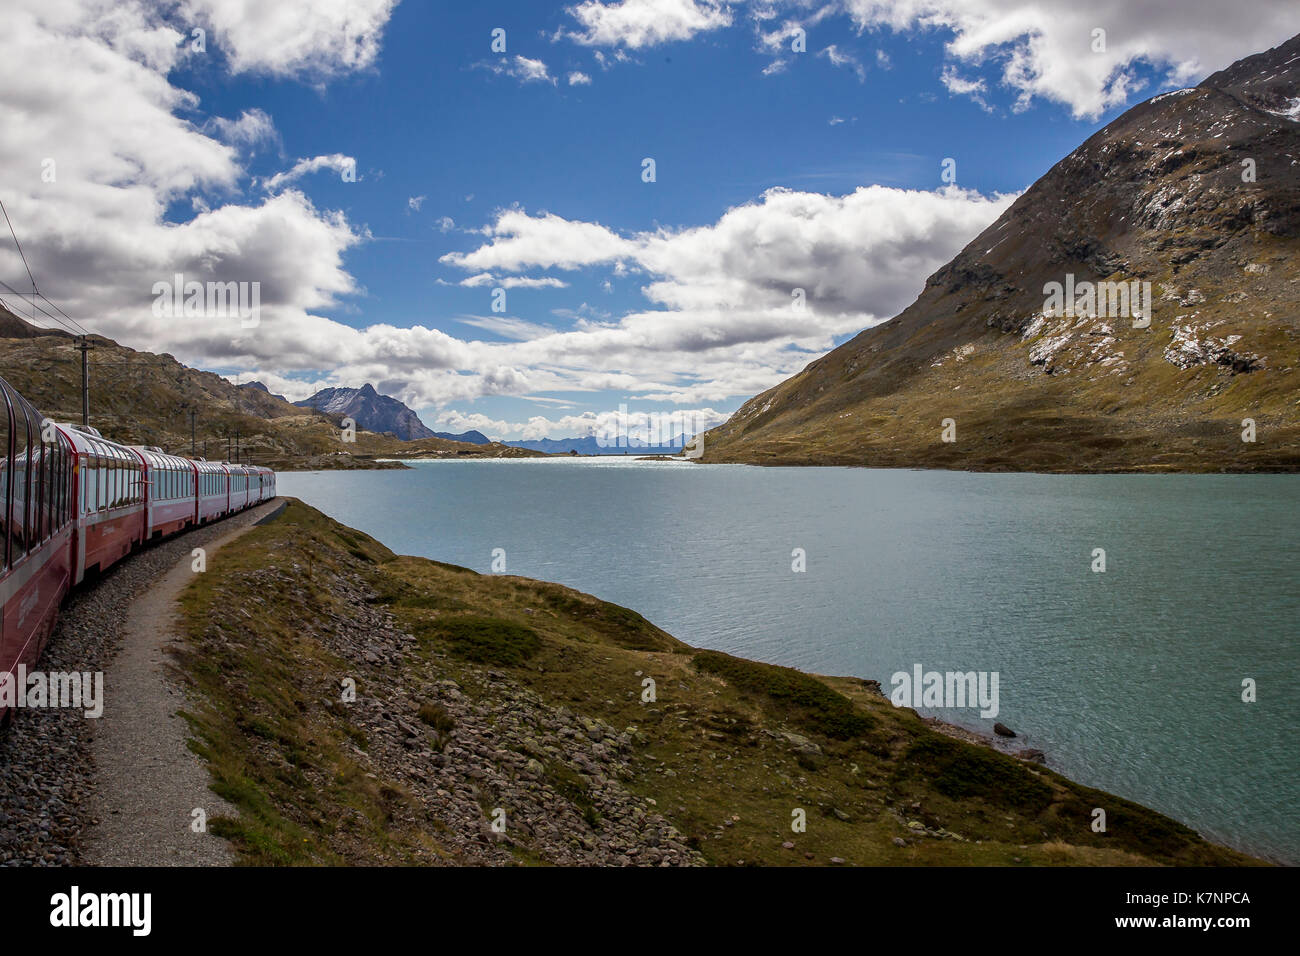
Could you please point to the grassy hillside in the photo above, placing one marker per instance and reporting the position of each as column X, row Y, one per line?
column 480, row 693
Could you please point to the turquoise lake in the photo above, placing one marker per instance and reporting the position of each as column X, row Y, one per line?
column 1129, row 680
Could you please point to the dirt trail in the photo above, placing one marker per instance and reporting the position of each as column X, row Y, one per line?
column 147, row 781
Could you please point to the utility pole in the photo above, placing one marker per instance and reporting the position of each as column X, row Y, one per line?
column 83, row 344
column 236, row 446
column 193, row 412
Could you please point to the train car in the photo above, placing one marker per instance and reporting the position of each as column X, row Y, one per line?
column 111, row 513
column 213, row 500
column 37, row 519
column 171, row 494
column 73, row 503
column 239, row 483
column 265, row 479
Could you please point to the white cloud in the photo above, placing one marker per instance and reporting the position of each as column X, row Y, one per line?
column 520, row 68
column 485, row 279
column 1044, row 47
column 341, row 164
column 839, row 58
column 313, row 40
column 722, row 321
column 645, row 23
column 414, row 203
column 446, row 224
column 520, row 241
column 958, row 86
column 252, row 128
column 507, row 326
column 577, row 78
column 640, row 424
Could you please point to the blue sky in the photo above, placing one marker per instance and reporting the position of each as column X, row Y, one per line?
column 663, row 296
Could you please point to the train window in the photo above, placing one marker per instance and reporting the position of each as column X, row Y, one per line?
column 63, row 484
column 51, row 488
column 34, row 490
column 6, row 465
column 21, row 450
column 47, row 489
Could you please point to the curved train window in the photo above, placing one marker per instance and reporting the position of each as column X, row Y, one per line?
column 6, row 466
column 51, row 505
column 47, row 487
column 34, row 490
column 20, row 483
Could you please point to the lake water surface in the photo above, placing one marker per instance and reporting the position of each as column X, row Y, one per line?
column 1129, row 680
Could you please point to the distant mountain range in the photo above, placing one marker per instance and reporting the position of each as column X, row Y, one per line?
column 473, row 437
column 372, row 411
column 591, row 446
column 1006, row 363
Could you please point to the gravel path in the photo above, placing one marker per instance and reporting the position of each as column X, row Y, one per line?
column 120, row 789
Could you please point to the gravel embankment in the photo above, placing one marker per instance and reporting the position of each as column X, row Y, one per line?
column 46, row 764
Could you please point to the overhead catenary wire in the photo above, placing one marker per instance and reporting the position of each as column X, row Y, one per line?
column 68, row 322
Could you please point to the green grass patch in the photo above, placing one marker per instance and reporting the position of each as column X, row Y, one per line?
column 485, row 640
column 812, row 704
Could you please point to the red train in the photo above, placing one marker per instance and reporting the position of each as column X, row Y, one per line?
column 73, row 503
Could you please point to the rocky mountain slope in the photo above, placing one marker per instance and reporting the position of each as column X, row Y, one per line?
column 381, row 414
column 142, row 398
column 1196, row 192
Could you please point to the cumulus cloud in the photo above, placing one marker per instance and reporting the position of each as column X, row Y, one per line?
column 578, row 78
column 250, row 129
column 1045, row 48
column 315, row 40
column 644, row 23
column 520, row 241
column 413, row 203
column 96, row 232
column 341, row 164
column 637, row 423
column 739, row 304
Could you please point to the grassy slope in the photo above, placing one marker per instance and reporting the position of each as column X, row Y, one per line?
column 709, row 751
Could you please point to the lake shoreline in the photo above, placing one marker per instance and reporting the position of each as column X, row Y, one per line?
column 536, row 694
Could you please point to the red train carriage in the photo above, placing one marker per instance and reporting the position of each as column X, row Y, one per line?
column 111, row 502
column 214, row 491
column 170, row 502
column 73, row 503
column 36, row 529
column 239, row 481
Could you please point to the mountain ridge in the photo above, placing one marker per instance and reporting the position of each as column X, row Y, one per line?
column 1160, row 195
column 371, row 410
